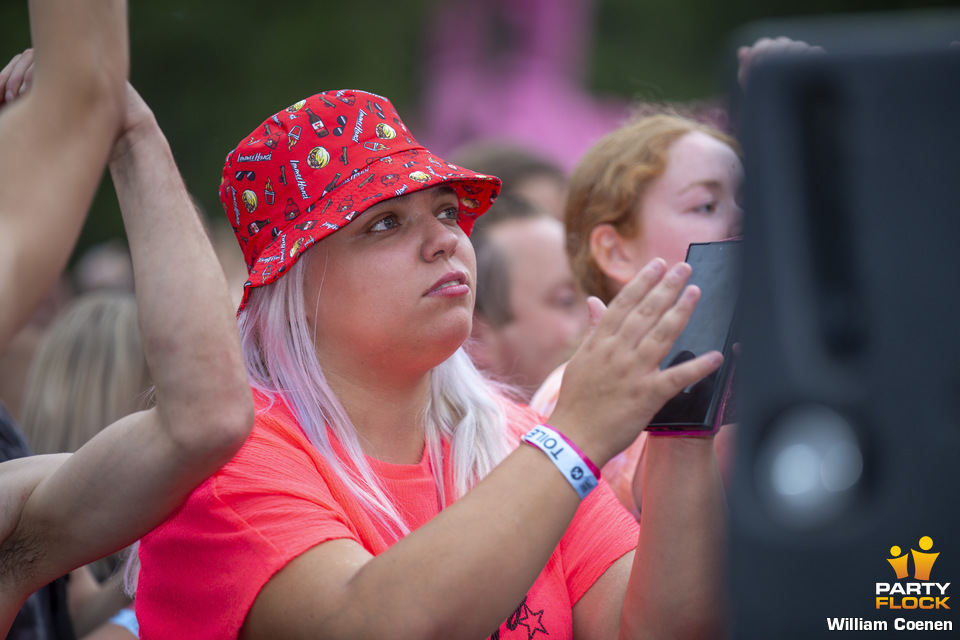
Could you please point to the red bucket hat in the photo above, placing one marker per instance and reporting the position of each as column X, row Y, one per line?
column 310, row 169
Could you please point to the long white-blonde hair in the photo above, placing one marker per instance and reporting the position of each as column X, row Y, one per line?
column 464, row 407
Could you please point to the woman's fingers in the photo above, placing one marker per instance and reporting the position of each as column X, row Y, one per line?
column 7, row 92
column 638, row 328
column 596, row 310
column 648, row 313
column 657, row 342
column 634, row 293
column 24, row 62
column 675, row 379
column 27, row 79
column 16, row 76
column 644, row 358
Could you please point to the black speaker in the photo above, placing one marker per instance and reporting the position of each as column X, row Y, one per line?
column 847, row 466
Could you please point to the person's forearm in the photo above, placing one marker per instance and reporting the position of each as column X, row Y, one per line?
column 186, row 316
column 82, row 51
column 676, row 585
column 78, row 100
column 18, row 479
column 59, row 133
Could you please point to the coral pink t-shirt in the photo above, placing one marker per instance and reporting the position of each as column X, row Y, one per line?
column 202, row 568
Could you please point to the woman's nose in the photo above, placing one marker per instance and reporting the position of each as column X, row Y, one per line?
column 439, row 240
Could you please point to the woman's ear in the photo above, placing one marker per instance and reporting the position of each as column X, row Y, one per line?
column 612, row 254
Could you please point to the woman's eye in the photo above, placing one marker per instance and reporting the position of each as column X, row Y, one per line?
column 565, row 301
column 385, row 224
column 707, row 207
column 565, row 298
column 450, row 213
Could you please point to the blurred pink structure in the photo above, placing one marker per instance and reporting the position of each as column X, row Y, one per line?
column 513, row 70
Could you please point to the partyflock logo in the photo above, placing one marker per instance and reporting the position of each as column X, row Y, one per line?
column 914, row 592
column 920, row 593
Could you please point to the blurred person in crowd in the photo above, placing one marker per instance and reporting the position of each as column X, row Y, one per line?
column 98, row 336
column 649, row 189
column 385, row 490
column 89, row 371
column 523, row 172
column 645, row 191
column 64, row 511
column 105, row 265
column 529, row 313
column 15, row 359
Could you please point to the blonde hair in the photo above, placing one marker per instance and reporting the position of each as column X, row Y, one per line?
column 88, row 372
column 610, row 180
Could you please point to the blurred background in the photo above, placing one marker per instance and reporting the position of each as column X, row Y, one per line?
column 554, row 74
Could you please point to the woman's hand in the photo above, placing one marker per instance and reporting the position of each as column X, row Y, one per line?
column 139, row 121
column 613, row 385
column 15, row 78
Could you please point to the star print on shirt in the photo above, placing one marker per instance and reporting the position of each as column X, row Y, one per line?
column 524, row 616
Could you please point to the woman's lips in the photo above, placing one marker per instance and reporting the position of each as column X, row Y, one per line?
column 451, row 284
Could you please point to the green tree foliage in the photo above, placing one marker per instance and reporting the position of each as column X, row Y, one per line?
column 211, row 70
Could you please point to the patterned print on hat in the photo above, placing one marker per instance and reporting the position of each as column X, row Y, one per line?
column 310, row 169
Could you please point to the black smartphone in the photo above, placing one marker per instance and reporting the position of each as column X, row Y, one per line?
column 700, row 407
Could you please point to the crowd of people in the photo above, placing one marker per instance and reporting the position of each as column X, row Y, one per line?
column 426, row 418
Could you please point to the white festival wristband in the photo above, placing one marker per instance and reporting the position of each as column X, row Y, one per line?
column 577, row 468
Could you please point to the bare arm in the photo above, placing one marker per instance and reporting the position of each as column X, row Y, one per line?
column 676, row 584
column 187, row 318
column 133, row 473
column 55, row 143
column 18, row 479
column 672, row 585
column 463, row 573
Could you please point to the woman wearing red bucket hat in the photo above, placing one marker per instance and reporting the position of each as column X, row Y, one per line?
column 387, row 489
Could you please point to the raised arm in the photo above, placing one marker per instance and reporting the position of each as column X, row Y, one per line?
column 54, row 144
column 124, row 481
column 187, row 318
